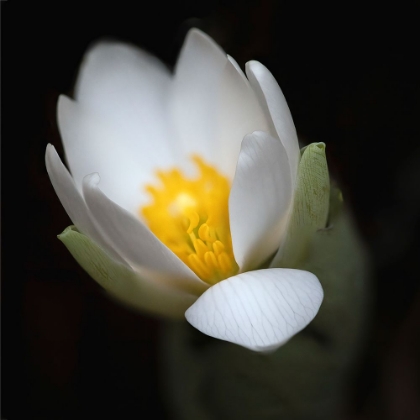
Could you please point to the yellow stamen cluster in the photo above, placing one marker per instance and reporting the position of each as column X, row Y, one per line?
column 191, row 217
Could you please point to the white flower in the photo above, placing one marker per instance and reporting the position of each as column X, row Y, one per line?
column 191, row 242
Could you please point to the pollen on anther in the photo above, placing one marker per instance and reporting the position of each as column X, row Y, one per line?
column 218, row 247
column 211, row 259
column 200, row 248
column 204, row 232
column 224, row 262
column 194, row 220
column 190, row 215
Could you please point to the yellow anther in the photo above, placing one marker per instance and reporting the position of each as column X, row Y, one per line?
column 194, row 220
column 212, row 234
column 218, row 247
column 211, row 260
column 198, row 266
column 191, row 217
column 204, row 232
column 225, row 262
column 200, row 247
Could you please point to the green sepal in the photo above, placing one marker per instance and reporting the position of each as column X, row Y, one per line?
column 142, row 292
column 310, row 207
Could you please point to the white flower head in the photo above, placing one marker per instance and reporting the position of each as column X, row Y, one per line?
column 182, row 186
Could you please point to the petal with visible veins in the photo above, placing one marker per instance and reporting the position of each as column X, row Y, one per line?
column 260, row 310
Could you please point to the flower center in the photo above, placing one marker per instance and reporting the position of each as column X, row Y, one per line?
column 191, row 217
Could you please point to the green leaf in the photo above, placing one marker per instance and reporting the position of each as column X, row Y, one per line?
column 310, row 208
column 138, row 289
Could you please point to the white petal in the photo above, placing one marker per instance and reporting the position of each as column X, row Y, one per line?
column 237, row 67
column 239, row 114
column 194, row 94
column 272, row 100
column 92, row 145
column 213, row 105
column 260, row 310
column 260, row 199
column 135, row 241
column 129, row 88
column 73, row 202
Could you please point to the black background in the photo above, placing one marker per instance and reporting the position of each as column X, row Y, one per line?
column 348, row 74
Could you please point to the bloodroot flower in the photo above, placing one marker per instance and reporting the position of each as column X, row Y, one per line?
column 188, row 191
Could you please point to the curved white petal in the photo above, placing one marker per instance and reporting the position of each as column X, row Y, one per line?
column 239, row 114
column 260, row 310
column 129, row 88
column 194, row 94
column 237, row 67
column 272, row 100
column 73, row 202
column 260, row 199
column 135, row 241
column 213, row 105
column 92, row 145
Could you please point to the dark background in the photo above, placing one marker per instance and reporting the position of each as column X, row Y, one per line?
column 348, row 74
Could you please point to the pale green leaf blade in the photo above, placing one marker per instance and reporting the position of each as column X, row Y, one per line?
column 310, row 209
column 140, row 290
